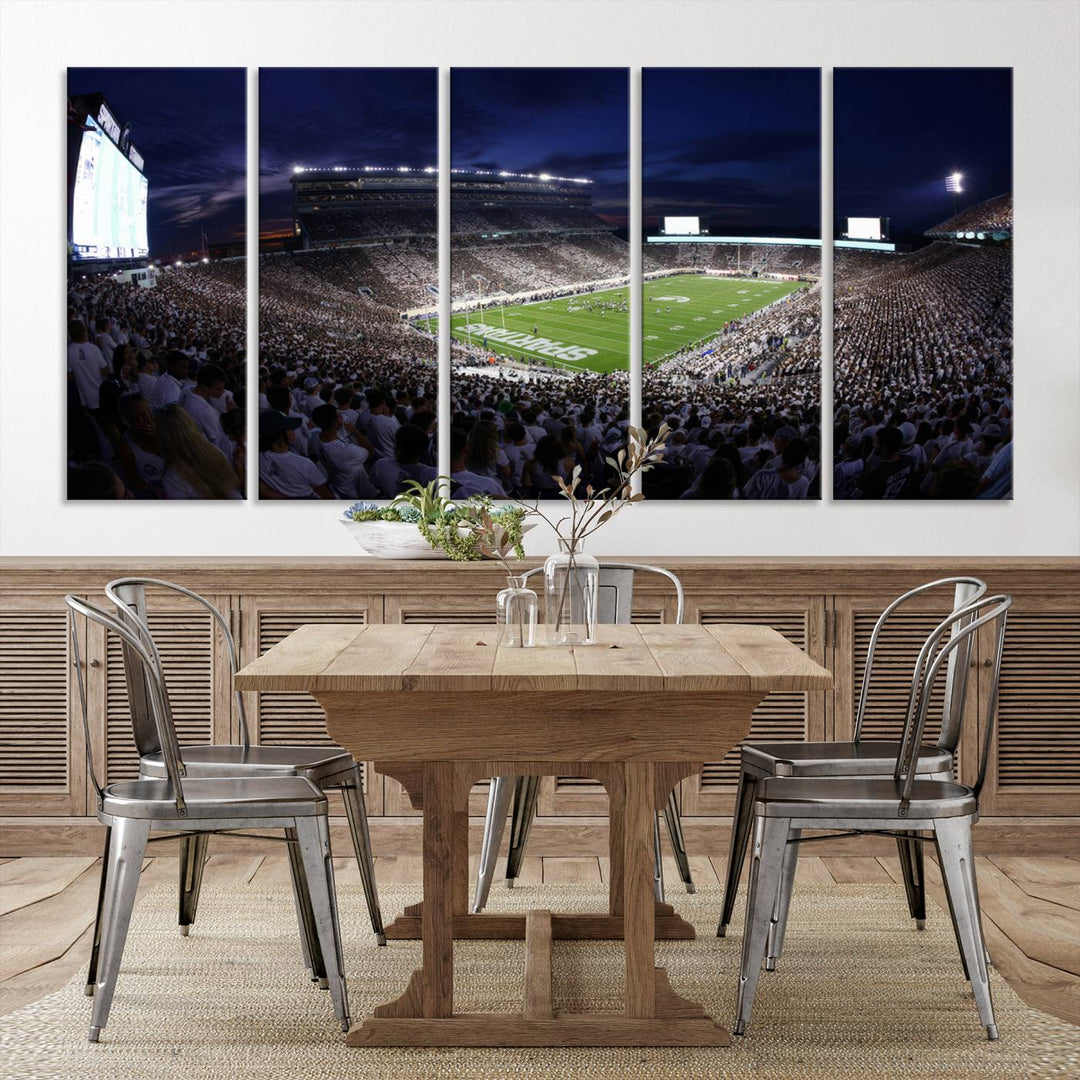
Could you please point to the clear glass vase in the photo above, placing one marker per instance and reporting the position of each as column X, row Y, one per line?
column 571, row 586
column 515, row 609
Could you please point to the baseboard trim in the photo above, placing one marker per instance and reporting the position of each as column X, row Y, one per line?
column 551, row 836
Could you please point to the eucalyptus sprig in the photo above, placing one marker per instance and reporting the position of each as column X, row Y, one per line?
column 591, row 508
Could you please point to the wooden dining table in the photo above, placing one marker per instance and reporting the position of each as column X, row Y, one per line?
column 441, row 707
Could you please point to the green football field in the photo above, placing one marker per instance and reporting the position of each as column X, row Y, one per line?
column 677, row 311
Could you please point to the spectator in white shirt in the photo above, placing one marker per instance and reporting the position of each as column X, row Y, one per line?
column 343, row 461
column 785, row 482
column 468, row 483
column 87, row 365
column 170, row 386
column 193, row 468
column 199, row 399
column 382, row 426
column 390, row 474
column 284, row 475
column 148, row 375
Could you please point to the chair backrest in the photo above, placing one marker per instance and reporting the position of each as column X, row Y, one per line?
column 966, row 590
column 955, row 634
column 150, row 681
column 616, row 590
column 129, row 596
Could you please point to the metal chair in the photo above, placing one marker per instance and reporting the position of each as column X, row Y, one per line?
column 616, row 593
column 901, row 805
column 865, row 758
column 327, row 767
column 179, row 805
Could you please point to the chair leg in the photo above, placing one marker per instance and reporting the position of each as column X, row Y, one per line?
column 95, row 949
column 356, row 814
column 953, row 838
column 658, row 862
column 678, row 844
column 314, row 837
column 911, row 865
column 192, row 861
column 499, row 795
column 309, row 941
column 783, row 900
column 766, row 865
column 526, row 791
column 741, row 826
column 126, row 850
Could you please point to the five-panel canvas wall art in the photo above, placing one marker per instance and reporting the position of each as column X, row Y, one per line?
column 733, row 275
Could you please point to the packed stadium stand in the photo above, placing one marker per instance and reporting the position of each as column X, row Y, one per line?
column 994, row 217
column 156, row 385
column 923, row 369
column 743, row 258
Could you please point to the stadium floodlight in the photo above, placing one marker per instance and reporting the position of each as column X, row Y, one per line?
column 298, row 168
column 954, row 182
column 205, row 259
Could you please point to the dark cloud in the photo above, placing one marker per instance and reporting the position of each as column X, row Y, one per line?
column 769, row 146
column 566, row 121
column 739, row 147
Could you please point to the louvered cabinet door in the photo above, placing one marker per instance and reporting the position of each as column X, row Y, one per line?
column 434, row 610
column 1034, row 766
column 783, row 716
column 42, row 755
column 284, row 718
column 895, row 655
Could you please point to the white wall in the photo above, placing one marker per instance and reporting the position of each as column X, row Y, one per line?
column 1038, row 37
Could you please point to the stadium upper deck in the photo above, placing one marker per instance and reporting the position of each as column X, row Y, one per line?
column 373, row 205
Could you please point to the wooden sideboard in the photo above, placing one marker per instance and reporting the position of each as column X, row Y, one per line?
column 827, row 606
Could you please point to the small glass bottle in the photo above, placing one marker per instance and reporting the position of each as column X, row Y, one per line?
column 515, row 609
column 571, row 588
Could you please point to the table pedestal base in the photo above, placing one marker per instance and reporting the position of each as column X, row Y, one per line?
column 564, row 927
column 424, row 1014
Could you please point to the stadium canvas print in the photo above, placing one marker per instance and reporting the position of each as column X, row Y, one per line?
column 731, row 264
column 540, row 267
column 348, row 281
column 156, row 289
column 922, row 338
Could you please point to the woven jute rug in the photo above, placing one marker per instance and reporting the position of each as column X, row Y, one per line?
column 859, row 994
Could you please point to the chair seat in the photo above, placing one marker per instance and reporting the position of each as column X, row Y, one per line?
column 224, row 759
column 863, row 758
column 846, row 797
column 222, row 797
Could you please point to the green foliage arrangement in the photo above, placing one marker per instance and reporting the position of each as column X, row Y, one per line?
column 465, row 532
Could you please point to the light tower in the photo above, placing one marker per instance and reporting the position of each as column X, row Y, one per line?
column 954, row 183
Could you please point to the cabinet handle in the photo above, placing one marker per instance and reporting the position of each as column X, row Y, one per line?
column 95, row 663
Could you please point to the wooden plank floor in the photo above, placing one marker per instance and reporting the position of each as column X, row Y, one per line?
column 1031, row 910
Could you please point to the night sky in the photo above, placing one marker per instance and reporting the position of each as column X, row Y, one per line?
column 900, row 131
column 321, row 117
column 739, row 147
column 570, row 122
column 189, row 125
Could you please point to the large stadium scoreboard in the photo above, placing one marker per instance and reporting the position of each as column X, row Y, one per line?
column 866, row 228
column 680, row 226
column 109, row 191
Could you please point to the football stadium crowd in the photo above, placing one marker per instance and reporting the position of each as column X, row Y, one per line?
column 156, row 385
column 922, row 384
column 748, row 259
